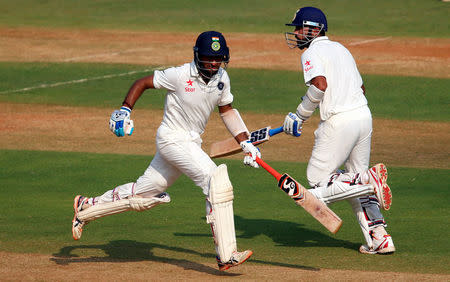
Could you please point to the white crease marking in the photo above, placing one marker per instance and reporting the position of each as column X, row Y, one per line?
column 369, row 41
column 46, row 85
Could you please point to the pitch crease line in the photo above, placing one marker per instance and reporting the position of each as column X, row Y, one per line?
column 46, row 85
column 369, row 41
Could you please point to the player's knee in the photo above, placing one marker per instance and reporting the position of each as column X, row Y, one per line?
column 153, row 184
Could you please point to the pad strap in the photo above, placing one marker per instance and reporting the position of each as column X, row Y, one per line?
column 133, row 203
column 309, row 102
column 233, row 122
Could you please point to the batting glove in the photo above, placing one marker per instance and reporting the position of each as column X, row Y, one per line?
column 293, row 125
column 251, row 152
column 120, row 122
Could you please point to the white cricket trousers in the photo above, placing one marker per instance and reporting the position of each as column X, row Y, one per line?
column 343, row 138
column 178, row 152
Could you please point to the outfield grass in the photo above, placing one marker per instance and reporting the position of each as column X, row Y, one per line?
column 37, row 212
column 346, row 17
column 411, row 98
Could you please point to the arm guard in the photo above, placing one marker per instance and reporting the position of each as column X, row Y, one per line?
column 233, row 122
column 309, row 102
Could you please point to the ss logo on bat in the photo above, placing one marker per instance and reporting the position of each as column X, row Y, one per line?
column 258, row 135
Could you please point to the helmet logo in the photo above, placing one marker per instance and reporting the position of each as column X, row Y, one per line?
column 215, row 44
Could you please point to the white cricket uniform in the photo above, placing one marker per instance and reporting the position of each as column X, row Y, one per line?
column 345, row 130
column 189, row 103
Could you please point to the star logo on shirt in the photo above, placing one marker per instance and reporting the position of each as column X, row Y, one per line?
column 307, row 63
column 189, row 82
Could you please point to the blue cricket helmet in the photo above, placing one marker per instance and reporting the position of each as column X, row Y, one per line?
column 309, row 16
column 309, row 23
column 213, row 45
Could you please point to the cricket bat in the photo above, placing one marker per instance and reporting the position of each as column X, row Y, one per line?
column 304, row 198
column 230, row 146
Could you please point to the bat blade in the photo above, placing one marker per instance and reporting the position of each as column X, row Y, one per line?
column 305, row 199
column 230, row 146
column 310, row 203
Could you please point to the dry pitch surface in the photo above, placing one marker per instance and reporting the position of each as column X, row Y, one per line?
column 39, row 127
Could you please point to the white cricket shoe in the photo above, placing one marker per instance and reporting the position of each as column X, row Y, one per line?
column 77, row 225
column 236, row 259
column 382, row 243
column 377, row 178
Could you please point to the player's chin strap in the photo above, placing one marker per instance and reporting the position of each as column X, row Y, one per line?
column 135, row 203
column 309, row 102
column 234, row 123
column 219, row 213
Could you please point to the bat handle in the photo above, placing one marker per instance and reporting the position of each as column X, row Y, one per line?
column 274, row 131
column 268, row 168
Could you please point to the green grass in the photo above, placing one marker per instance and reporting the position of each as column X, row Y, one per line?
column 346, row 17
column 37, row 212
column 393, row 97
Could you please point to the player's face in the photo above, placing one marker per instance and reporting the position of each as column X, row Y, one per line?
column 210, row 64
column 305, row 32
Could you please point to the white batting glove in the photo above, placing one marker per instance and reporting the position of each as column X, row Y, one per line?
column 251, row 152
column 120, row 122
column 293, row 125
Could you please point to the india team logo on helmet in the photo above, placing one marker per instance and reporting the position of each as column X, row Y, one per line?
column 215, row 44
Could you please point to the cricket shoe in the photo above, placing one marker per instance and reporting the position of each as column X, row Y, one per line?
column 77, row 224
column 377, row 178
column 382, row 243
column 236, row 259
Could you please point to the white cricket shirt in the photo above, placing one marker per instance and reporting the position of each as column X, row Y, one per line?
column 333, row 61
column 189, row 101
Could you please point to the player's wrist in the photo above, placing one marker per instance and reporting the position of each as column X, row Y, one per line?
column 125, row 109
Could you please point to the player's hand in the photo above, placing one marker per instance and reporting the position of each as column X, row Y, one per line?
column 251, row 152
column 120, row 122
column 293, row 125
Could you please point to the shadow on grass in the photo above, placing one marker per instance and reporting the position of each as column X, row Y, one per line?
column 289, row 234
column 129, row 251
column 285, row 233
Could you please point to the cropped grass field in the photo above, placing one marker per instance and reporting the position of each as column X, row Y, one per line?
column 63, row 84
column 38, row 216
column 346, row 17
column 38, row 187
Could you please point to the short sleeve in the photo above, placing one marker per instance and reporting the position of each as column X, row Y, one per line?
column 312, row 66
column 226, row 97
column 166, row 79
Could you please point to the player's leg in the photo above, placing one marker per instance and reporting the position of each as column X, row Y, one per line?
column 219, row 214
column 367, row 208
column 144, row 194
column 334, row 140
column 191, row 160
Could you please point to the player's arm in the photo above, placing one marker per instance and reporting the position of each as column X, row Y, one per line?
column 236, row 126
column 136, row 90
column 120, row 122
column 234, row 123
column 293, row 122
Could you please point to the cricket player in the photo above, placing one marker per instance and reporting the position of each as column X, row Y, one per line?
column 344, row 133
column 193, row 91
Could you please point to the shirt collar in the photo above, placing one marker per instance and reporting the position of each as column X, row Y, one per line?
column 319, row 38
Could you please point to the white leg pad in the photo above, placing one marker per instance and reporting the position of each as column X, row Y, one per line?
column 135, row 203
column 339, row 191
column 220, row 214
column 360, row 216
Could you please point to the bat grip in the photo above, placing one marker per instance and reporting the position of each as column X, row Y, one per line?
column 274, row 131
column 268, row 168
